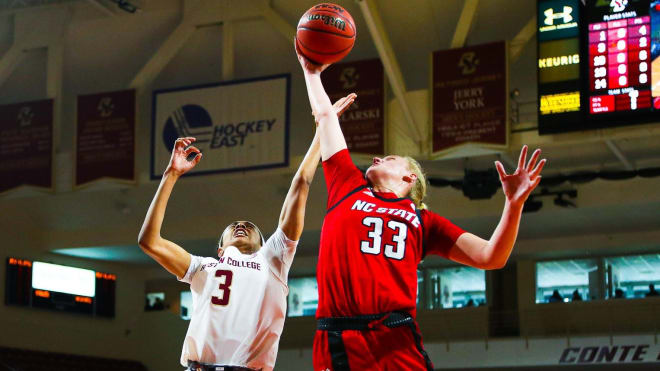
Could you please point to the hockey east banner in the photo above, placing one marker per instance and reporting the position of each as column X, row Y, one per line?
column 239, row 125
column 26, row 145
column 363, row 124
column 470, row 98
column 105, row 137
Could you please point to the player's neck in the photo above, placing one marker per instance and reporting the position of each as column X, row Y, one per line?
column 247, row 249
column 244, row 248
column 387, row 188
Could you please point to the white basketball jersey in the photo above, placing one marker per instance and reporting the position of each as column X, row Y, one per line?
column 239, row 305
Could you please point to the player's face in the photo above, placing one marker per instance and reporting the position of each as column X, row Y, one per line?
column 388, row 169
column 242, row 234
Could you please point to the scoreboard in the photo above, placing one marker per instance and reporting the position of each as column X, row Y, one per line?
column 61, row 288
column 559, row 71
column 620, row 58
column 618, row 82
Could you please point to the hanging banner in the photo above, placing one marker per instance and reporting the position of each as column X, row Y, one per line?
column 470, row 97
column 26, row 145
column 239, row 125
column 363, row 124
column 105, row 137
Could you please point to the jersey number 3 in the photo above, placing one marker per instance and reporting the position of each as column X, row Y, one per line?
column 224, row 287
column 373, row 245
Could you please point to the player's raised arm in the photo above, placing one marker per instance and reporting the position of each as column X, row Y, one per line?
column 168, row 254
column 494, row 253
column 292, row 216
column 332, row 139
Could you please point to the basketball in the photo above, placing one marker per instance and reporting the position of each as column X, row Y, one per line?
column 326, row 33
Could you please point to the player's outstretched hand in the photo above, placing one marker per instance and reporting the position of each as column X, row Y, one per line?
column 340, row 106
column 307, row 65
column 522, row 182
column 179, row 163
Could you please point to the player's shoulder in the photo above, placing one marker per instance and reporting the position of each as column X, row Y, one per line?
column 428, row 215
column 278, row 239
column 203, row 261
column 207, row 259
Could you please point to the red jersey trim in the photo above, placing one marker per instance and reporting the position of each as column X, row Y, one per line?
column 421, row 224
column 359, row 188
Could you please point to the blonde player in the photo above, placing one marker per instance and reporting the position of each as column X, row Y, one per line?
column 239, row 299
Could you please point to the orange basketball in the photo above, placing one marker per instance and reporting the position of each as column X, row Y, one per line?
column 326, row 33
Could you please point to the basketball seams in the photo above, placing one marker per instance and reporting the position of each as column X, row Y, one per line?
column 325, row 31
column 324, row 53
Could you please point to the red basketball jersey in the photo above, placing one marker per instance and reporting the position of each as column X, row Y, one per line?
column 371, row 244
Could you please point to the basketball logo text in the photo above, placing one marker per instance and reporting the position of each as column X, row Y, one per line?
column 337, row 23
column 329, row 6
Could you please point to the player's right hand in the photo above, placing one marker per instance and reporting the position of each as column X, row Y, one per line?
column 307, row 65
column 179, row 163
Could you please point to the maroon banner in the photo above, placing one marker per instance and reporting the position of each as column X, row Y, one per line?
column 363, row 124
column 26, row 145
column 105, row 137
column 470, row 96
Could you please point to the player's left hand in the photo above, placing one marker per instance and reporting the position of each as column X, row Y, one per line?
column 522, row 182
column 340, row 106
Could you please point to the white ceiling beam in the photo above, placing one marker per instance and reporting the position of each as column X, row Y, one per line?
column 280, row 24
column 517, row 44
column 390, row 64
column 102, row 7
column 28, row 9
column 163, row 55
column 54, row 78
column 10, row 60
column 219, row 11
column 196, row 13
column 32, row 31
column 227, row 50
column 619, row 154
column 464, row 23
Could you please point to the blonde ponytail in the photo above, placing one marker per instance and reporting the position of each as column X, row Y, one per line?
column 418, row 191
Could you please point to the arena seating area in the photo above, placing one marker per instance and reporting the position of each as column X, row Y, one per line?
column 12, row 359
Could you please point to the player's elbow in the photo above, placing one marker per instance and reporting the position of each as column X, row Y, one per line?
column 492, row 264
column 301, row 182
column 146, row 242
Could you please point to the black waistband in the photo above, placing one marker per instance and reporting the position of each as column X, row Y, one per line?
column 364, row 322
column 198, row 366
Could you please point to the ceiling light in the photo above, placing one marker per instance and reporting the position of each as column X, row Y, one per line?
column 126, row 6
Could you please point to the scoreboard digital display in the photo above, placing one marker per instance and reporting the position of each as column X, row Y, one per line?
column 57, row 287
column 619, row 57
column 618, row 64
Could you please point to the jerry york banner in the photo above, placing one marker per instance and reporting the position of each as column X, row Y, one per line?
column 26, row 145
column 470, row 96
column 363, row 124
column 105, row 137
column 239, row 125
